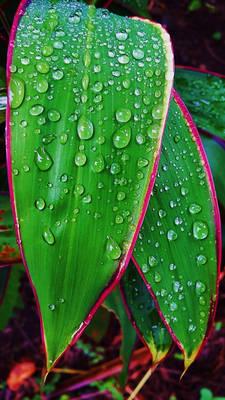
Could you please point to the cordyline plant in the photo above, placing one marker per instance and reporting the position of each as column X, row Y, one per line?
column 106, row 168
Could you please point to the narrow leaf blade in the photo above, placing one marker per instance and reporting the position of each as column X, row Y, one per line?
column 73, row 149
column 178, row 249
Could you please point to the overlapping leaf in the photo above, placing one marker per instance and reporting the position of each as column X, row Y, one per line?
column 144, row 313
column 89, row 93
column 204, row 95
column 177, row 245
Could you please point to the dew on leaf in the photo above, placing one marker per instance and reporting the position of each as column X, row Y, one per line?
column 85, row 128
column 42, row 67
column 171, row 235
column 54, row 115
column 42, row 159
column 36, row 110
column 201, row 259
column 194, row 208
column 51, row 307
column 17, row 92
column 40, row 204
column 48, row 236
column 42, row 85
column 200, row 230
column 112, row 249
column 98, row 164
column 80, row 159
column 123, row 114
column 121, row 137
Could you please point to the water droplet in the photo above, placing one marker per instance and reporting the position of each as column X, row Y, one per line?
column 79, row 189
column 42, row 67
column 153, row 131
column 17, row 91
column 123, row 59
column 85, row 81
column 121, row 36
column 57, row 75
column 80, row 159
column 87, row 199
column 119, row 219
column 54, row 115
column 142, row 162
column 40, row 204
column 171, row 235
column 157, row 112
column 152, row 261
column 85, row 128
column 112, row 249
column 173, row 306
column 121, row 137
column 145, row 268
column 115, row 168
column 48, row 139
column 52, row 308
column 201, row 259
column 64, row 178
column 138, row 54
column 42, row 85
column 126, row 83
column 157, row 277
column 121, row 196
column 61, row 300
column 87, row 59
column 63, row 138
column 36, row 110
column 162, row 213
column 200, row 288
column 194, row 208
column 42, row 159
column 184, row 191
column 123, row 115
column 98, row 163
column 47, row 50
column 48, row 236
column 200, row 230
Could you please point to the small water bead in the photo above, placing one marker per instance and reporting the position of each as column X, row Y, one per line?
column 42, row 85
column 57, row 75
column 79, row 189
column 58, row 45
column 173, row 306
column 126, row 83
column 145, row 268
column 202, row 301
column 64, row 178
column 120, row 196
column 201, row 259
column 121, row 138
column 112, row 249
column 172, row 267
column 123, row 115
column 42, row 67
column 115, row 168
column 48, row 236
column 153, row 131
column 17, row 92
column 42, row 159
column 87, row 199
column 138, row 54
column 178, row 221
column 87, row 59
column 47, row 50
column 23, row 124
column 63, row 138
column 142, row 162
column 61, row 300
column 15, row 172
column 184, row 191
column 85, row 128
column 146, row 100
column 40, row 204
column 121, row 36
column 191, row 328
column 54, row 115
column 140, row 139
column 123, row 59
column 98, row 163
column 52, row 308
column 75, row 18
column 85, row 81
column 36, row 110
column 157, row 112
column 41, row 121
column 97, row 87
column 157, row 277
column 171, row 235
column 152, row 261
column 25, row 61
column 162, row 213
column 194, row 208
column 48, row 139
column 200, row 230
column 200, row 288
column 119, row 219
column 80, row 159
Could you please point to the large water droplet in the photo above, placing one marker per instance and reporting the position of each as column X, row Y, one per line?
column 201, row 259
column 200, row 230
column 171, row 235
column 98, row 163
column 40, row 204
column 200, row 288
column 51, row 307
column 48, row 236
column 123, row 59
column 54, row 115
column 42, row 159
column 115, row 168
column 36, row 110
column 152, row 260
column 17, row 91
column 85, row 128
column 42, row 85
column 79, row 189
column 42, row 67
column 121, row 36
column 47, row 50
column 112, row 249
column 157, row 112
column 80, row 159
column 57, row 75
column 123, row 115
column 138, row 54
column 121, row 137
column 121, row 196
column 194, row 208
column 153, row 131
column 157, row 277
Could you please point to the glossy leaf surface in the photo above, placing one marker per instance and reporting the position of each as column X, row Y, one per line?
column 99, row 325
column 3, row 94
column 176, row 248
column 144, row 314
column 9, row 251
column 204, row 96
column 114, row 303
column 216, row 155
column 12, row 298
column 82, row 85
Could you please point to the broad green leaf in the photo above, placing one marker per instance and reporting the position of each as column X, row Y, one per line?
column 177, row 245
column 89, row 93
column 144, row 314
column 12, row 298
column 137, row 7
column 216, row 155
column 114, row 303
column 204, row 95
column 9, row 251
column 99, row 325
column 3, row 94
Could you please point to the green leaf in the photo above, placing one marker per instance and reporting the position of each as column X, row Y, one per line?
column 4, row 275
column 204, row 95
column 176, row 248
column 81, row 160
column 137, row 7
column 216, row 156
column 144, row 314
column 3, row 94
column 114, row 303
column 9, row 251
column 99, row 325
column 12, row 298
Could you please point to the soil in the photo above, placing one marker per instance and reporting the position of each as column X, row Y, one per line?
column 199, row 41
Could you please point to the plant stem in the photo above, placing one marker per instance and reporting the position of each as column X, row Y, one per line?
column 142, row 382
